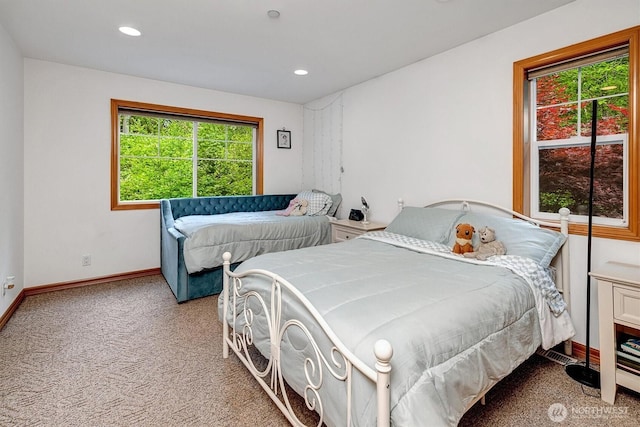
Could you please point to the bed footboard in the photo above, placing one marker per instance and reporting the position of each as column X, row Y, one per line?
column 338, row 362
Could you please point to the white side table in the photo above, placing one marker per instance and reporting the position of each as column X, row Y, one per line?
column 345, row 229
column 619, row 313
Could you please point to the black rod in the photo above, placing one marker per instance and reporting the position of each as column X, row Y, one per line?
column 584, row 374
column 594, row 127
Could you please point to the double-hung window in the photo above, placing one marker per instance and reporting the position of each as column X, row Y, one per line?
column 562, row 105
column 163, row 152
column 554, row 98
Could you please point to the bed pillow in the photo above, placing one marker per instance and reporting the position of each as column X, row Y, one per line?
column 336, row 199
column 319, row 203
column 520, row 237
column 434, row 224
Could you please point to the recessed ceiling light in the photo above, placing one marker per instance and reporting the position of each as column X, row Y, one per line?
column 130, row 31
column 301, row 72
column 273, row 13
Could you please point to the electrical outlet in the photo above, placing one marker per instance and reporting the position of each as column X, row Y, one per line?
column 8, row 284
column 86, row 260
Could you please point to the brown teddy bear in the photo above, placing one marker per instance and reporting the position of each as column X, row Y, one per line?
column 464, row 236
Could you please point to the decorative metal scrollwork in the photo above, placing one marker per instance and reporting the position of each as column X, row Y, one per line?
column 246, row 309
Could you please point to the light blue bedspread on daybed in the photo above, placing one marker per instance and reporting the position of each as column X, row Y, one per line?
column 247, row 234
column 456, row 327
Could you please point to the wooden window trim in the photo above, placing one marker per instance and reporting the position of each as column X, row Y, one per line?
column 116, row 104
column 521, row 187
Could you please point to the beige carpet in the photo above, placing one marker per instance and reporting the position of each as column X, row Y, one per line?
column 126, row 353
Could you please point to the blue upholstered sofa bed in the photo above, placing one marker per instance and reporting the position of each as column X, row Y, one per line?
column 187, row 286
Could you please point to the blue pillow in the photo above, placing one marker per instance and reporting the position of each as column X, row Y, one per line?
column 434, row 224
column 519, row 237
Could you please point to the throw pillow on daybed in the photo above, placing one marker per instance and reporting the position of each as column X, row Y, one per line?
column 336, row 199
column 319, row 203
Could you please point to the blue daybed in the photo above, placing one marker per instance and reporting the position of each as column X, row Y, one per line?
column 249, row 220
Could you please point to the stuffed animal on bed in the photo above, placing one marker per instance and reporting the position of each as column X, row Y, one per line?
column 488, row 245
column 300, row 208
column 297, row 207
column 464, row 236
column 292, row 205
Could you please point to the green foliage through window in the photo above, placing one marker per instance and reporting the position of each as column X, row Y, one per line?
column 563, row 128
column 160, row 157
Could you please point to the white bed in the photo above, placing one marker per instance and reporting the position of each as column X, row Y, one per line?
column 445, row 329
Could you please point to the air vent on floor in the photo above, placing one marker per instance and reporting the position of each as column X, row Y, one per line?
column 554, row 356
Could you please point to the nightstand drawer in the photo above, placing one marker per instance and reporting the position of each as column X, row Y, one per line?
column 341, row 234
column 626, row 305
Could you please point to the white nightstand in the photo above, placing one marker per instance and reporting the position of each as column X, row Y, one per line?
column 619, row 315
column 345, row 229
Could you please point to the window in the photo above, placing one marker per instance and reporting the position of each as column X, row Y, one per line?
column 562, row 105
column 554, row 95
column 162, row 152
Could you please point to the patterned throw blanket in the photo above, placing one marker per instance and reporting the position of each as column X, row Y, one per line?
column 537, row 277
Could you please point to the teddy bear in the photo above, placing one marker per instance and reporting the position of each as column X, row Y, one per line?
column 464, row 236
column 300, row 208
column 488, row 245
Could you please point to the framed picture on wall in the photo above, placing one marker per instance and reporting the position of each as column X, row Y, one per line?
column 284, row 139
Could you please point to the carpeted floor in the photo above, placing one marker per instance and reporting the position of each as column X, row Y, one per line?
column 126, row 353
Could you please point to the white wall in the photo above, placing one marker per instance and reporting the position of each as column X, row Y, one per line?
column 11, row 168
column 442, row 127
column 67, row 148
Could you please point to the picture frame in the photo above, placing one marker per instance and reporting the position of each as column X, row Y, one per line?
column 284, row 139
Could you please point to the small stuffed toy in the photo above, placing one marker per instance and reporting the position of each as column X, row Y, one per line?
column 292, row 205
column 488, row 245
column 300, row 208
column 297, row 207
column 464, row 236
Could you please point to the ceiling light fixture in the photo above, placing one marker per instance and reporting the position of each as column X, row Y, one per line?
column 273, row 13
column 301, row 72
column 130, row 31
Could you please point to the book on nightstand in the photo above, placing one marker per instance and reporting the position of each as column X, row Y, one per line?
column 628, row 362
column 628, row 353
column 631, row 346
column 629, row 357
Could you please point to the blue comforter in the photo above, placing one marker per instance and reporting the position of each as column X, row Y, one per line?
column 247, row 234
column 456, row 327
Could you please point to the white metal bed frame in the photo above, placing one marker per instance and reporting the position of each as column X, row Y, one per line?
column 341, row 362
